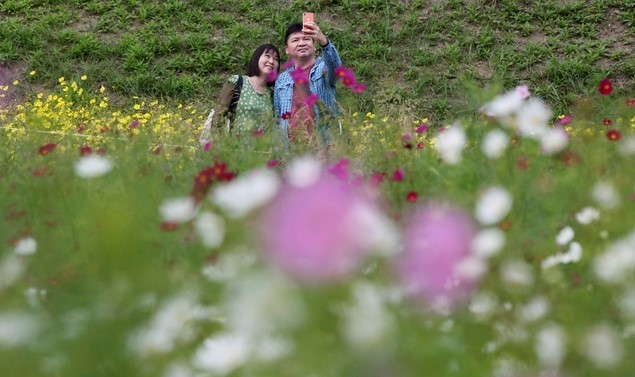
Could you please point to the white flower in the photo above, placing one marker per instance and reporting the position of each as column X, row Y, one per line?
column 550, row 346
column 627, row 146
column 565, row 236
column 367, row 324
column 262, row 303
column 223, row 353
column 178, row 210
column 93, row 165
column 494, row 143
column 246, row 193
column 450, row 144
column 374, row 230
column 18, row 329
column 533, row 310
column 617, row 262
column 554, row 140
column 605, row 195
column 173, row 322
column 603, row 347
column 25, row 246
column 493, row 205
column 587, row 215
column 303, row 171
column 210, row 229
column 517, row 273
column 11, row 268
column 488, row 242
column 505, row 104
column 533, row 118
column 483, row 305
column 572, row 255
column 229, row 265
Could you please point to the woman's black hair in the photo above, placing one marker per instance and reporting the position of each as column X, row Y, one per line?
column 253, row 69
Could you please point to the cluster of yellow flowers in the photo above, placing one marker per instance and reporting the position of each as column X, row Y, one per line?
column 88, row 118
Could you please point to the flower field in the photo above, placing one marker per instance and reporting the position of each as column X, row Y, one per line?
column 499, row 244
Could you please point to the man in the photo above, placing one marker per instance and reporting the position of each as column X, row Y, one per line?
column 307, row 88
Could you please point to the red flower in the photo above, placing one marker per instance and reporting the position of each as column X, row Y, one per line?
column 420, row 146
column 169, row 226
column 613, row 135
column 412, row 196
column 134, row 124
column 81, row 127
column 39, row 172
column 273, row 163
column 630, row 102
column 377, row 178
column 407, row 145
column 85, row 150
column 607, row 122
column 522, row 163
column 47, row 148
column 398, row 175
column 286, row 116
column 606, row 87
column 157, row 149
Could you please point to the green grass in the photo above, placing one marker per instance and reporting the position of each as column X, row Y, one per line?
column 418, row 55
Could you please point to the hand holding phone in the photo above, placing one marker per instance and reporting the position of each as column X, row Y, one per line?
column 307, row 17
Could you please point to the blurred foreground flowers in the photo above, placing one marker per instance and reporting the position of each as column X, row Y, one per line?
column 487, row 249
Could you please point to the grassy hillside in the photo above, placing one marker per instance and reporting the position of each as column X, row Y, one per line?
column 417, row 57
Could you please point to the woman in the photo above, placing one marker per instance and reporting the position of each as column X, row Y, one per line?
column 245, row 102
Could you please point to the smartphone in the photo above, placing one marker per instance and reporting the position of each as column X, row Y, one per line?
column 307, row 17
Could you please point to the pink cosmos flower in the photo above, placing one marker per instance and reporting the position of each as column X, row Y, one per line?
column 299, row 77
column 288, row 64
column 315, row 241
column 272, row 163
column 564, row 120
column 398, row 175
column 340, row 170
column 406, row 137
column 358, row 88
column 311, row 99
column 421, row 128
column 272, row 76
column 523, row 91
column 432, row 266
column 207, row 146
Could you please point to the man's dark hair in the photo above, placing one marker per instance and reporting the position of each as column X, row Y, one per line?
column 253, row 69
column 293, row 28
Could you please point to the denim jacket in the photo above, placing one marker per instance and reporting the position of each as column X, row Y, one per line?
column 322, row 82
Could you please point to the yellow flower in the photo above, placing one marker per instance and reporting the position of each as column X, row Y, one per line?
column 32, row 73
column 16, row 82
column 61, row 80
column 102, row 89
column 84, row 78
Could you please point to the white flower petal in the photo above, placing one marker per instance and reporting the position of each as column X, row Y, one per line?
column 178, row 210
column 246, row 193
column 493, row 205
column 25, row 246
column 495, row 143
column 92, row 166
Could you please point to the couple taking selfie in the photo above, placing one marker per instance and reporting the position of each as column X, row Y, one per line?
column 294, row 100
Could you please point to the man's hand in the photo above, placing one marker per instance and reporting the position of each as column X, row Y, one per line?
column 314, row 31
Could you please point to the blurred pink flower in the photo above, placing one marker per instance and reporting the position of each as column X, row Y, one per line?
column 311, row 99
column 313, row 232
column 340, row 169
column 299, row 77
column 564, row 120
column 435, row 265
column 398, row 175
column 421, row 128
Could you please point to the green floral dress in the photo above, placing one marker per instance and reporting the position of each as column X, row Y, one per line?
column 254, row 110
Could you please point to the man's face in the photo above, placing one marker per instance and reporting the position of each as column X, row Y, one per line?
column 299, row 46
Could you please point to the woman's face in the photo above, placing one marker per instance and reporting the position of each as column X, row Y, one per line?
column 268, row 63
